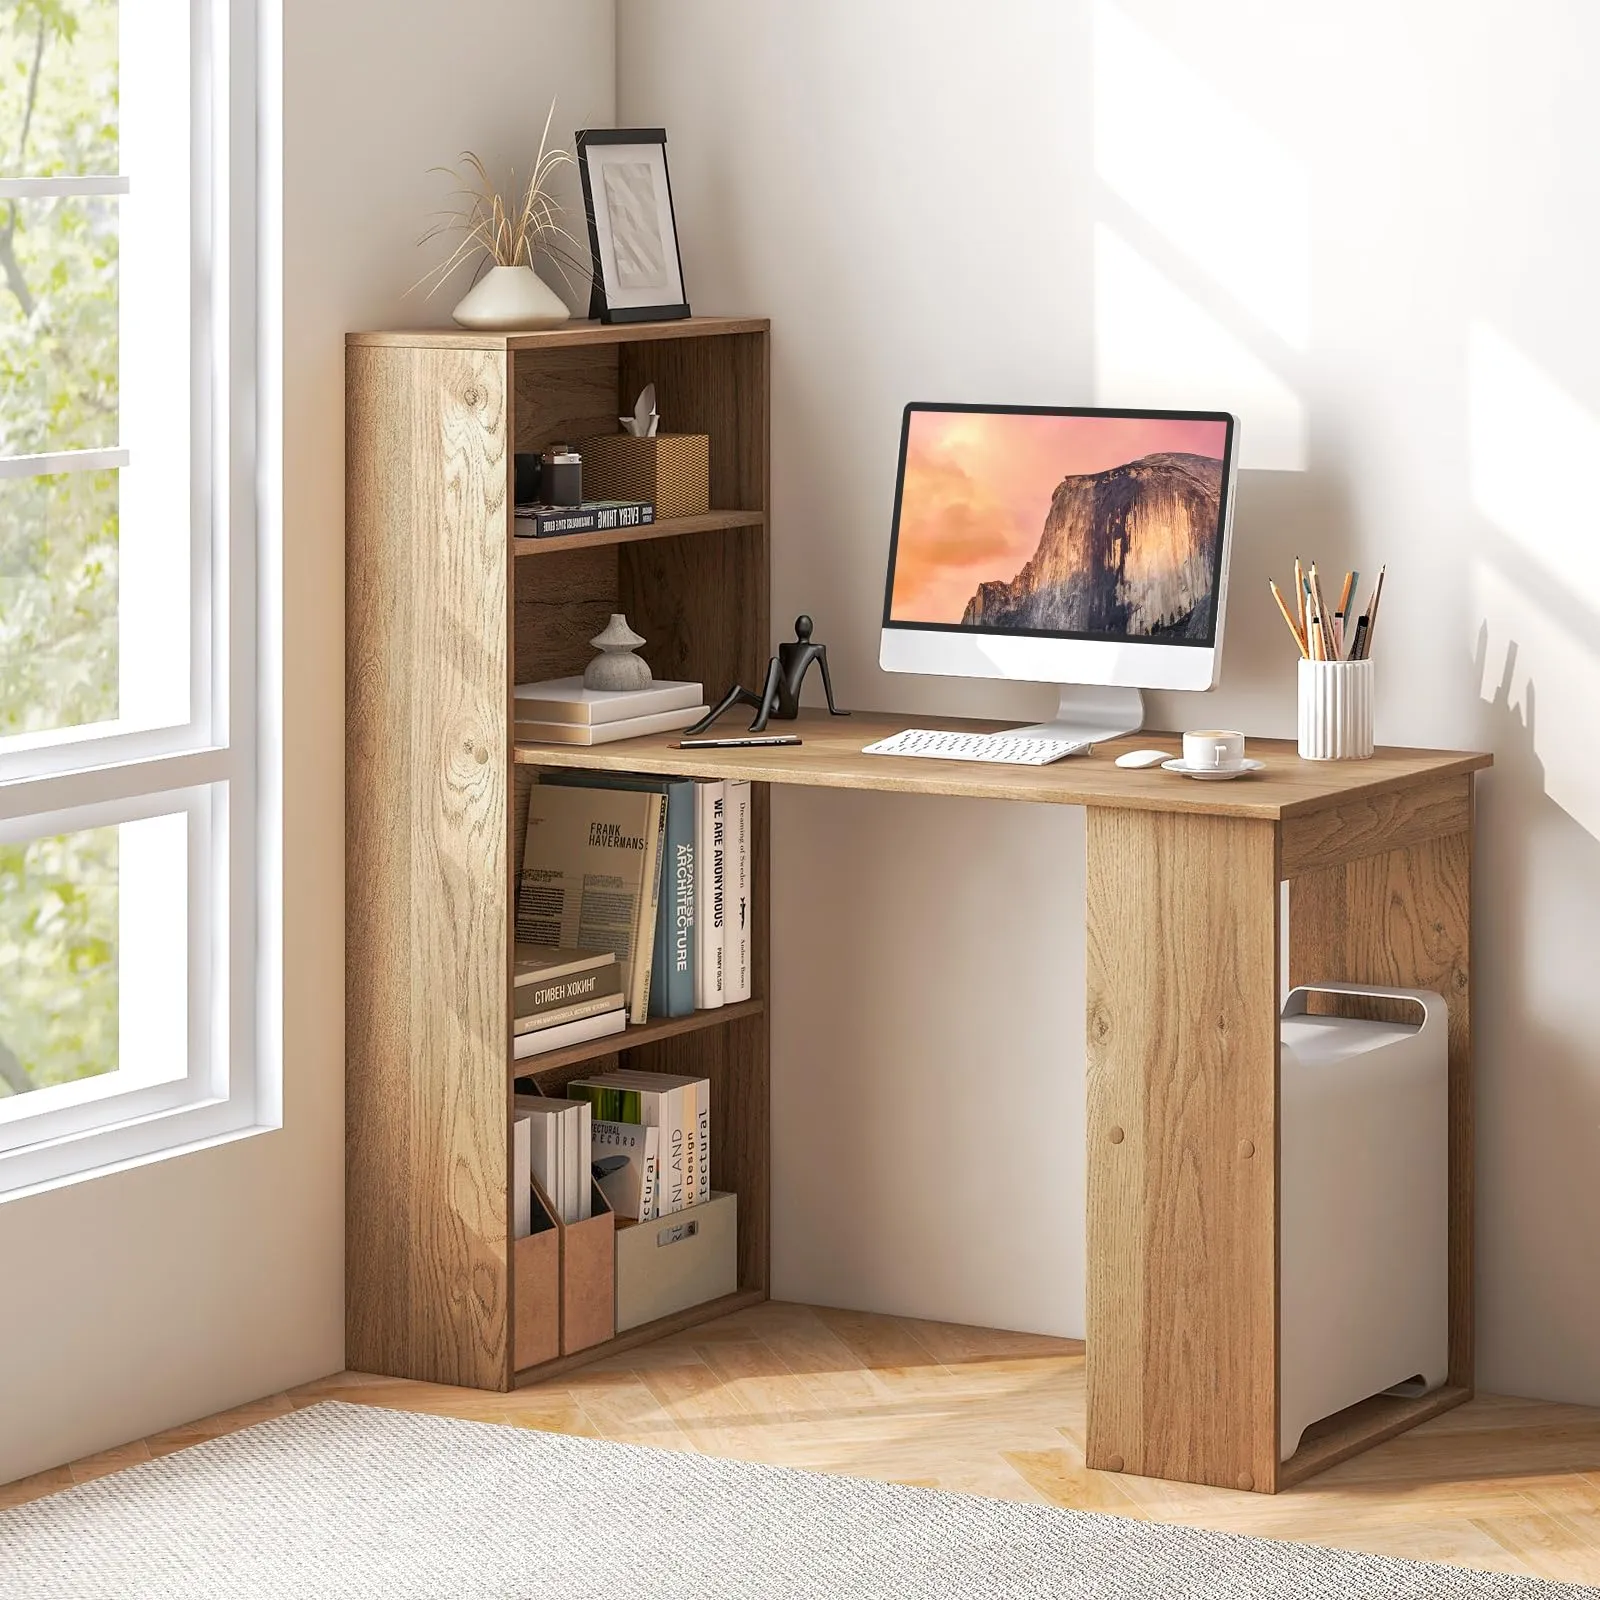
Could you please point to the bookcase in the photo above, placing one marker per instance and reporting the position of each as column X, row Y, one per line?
column 447, row 608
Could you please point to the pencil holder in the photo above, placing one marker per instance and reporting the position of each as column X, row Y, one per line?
column 1335, row 710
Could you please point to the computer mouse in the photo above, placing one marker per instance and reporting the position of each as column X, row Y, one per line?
column 1143, row 758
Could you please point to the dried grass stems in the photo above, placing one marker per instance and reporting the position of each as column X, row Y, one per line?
column 508, row 235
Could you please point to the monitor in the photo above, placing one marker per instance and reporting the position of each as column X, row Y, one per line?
column 1058, row 544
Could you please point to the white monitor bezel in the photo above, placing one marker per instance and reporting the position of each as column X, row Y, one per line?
column 1058, row 658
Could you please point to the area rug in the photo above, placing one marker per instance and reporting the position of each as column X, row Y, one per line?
column 347, row 1500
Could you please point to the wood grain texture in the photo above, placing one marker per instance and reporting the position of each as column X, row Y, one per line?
column 562, row 602
column 549, row 1067
column 1405, row 918
column 1182, row 1309
column 427, row 673
column 1366, row 825
column 577, row 332
column 565, row 393
column 661, row 528
column 831, row 758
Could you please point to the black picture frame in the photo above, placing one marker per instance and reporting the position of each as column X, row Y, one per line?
column 606, row 290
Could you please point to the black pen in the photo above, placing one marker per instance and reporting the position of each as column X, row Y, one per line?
column 739, row 742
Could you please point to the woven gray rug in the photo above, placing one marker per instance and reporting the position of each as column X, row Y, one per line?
column 345, row 1500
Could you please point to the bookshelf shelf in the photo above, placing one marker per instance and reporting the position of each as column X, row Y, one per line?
column 652, row 1032
column 666, row 528
column 447, row 609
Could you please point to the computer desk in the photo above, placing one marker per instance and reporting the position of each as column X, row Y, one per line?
column 1183, row 1002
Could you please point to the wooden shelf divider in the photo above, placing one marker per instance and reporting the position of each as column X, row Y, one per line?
column 664, row 528
column 635, row 1038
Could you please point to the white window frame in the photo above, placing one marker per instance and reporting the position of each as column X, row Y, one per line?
column 79, row 778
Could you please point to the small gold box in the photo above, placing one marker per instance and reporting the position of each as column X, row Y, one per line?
column 672, row 471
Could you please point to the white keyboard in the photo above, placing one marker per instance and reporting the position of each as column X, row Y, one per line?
column 1010, row 748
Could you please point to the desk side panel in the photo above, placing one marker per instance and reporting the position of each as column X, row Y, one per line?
column 1182, row 1128
column 427, row 965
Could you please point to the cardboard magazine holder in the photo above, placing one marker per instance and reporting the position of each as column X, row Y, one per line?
column 680, row 1260
column 588, row 1274
column 536, row 1276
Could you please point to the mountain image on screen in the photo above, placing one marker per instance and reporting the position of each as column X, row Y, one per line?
column 1131, row 550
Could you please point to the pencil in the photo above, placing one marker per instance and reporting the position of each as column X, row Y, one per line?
column 1372, row 611
column 1283, row 606
column 1300, row 596
column 1358, row 645
column 1323, row 626
column 1344, row 596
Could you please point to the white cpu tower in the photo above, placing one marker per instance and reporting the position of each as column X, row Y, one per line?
column 1363, row 1189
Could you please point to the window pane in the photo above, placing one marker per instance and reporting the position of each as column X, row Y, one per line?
column 58, row 960
column 93, row 964
column 58, row 324
column 58, row 602
column 58, row 57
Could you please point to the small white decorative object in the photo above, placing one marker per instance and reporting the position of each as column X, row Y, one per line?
column 644, row 421
column 510, row 298
column 617, row 667
column 1335, row 710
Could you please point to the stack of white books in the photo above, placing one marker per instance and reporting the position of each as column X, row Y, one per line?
column 562, row 711
column 551, row 1147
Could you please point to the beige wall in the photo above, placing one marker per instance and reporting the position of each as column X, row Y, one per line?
column 1369, row 229
column 148, row 1298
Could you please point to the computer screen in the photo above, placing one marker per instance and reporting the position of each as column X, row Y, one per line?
column 1061, row 523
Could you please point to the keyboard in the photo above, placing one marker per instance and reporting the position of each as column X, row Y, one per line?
column 1010, row 748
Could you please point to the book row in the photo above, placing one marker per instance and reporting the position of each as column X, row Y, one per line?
column 643, row 1138
column 633, row 901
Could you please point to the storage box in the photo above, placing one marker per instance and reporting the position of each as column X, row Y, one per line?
column 536, row 1289
column 677, row 1261
column 1364, row 1198
column 672, row 471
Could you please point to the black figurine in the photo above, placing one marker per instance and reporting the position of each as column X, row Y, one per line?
column 786, row 671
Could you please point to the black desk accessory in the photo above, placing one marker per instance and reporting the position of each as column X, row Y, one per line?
column 780, row 697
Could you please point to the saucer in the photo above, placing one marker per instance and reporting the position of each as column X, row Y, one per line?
column 1213, row 774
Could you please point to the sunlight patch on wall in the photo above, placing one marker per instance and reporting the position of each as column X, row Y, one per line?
column 1214, row 183
column 1155, row 346
column 1549, row 677
column 1531, row 444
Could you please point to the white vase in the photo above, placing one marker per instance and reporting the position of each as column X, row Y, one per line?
column 507, row 299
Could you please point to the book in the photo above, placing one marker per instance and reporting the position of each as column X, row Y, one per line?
column 709, row 802
column 547, row 996
column 645, row 1099
column 672, row 960
column 536, row 962
column 737, row 986
column 697, row 1112
column 623, row 1157
column 540, row 1020
column 559, row 1152
column 542, row 1040
column 544, row 1150
column 526, row 731
column 591, row 877
column 566, row 700
column 522, row 1175
column 589, row 516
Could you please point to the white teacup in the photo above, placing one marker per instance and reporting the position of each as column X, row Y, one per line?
column 1216, row 748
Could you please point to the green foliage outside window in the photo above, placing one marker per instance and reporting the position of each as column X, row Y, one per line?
column 58, row 535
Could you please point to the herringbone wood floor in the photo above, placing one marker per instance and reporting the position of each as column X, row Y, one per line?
column 1498, row 1483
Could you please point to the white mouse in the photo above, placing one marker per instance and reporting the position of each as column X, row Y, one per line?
column 1143, row 758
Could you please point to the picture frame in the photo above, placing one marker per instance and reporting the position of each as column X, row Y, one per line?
column 633, row 236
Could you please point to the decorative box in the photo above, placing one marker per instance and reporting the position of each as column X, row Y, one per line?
column 672, row 471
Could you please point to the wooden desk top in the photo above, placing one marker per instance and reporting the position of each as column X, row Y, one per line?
column 831, row 758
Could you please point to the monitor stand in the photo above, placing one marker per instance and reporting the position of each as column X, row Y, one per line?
column 1090, row 713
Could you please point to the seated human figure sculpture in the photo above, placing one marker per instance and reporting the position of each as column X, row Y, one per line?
column 780, row 697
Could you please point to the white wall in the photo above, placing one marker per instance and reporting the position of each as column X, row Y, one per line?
column 1371, row 231
column 151, row 1297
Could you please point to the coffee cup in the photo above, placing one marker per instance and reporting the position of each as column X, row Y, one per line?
column 1215, row 749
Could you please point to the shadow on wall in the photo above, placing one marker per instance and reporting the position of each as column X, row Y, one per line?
column 1542, row 1098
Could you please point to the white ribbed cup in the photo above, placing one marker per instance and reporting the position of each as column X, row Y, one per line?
column 1335, row 710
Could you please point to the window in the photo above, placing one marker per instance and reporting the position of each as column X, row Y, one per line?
column 127, row 581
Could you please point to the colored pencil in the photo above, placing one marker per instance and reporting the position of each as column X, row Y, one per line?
column 1372, row 612
column 1300, row 596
